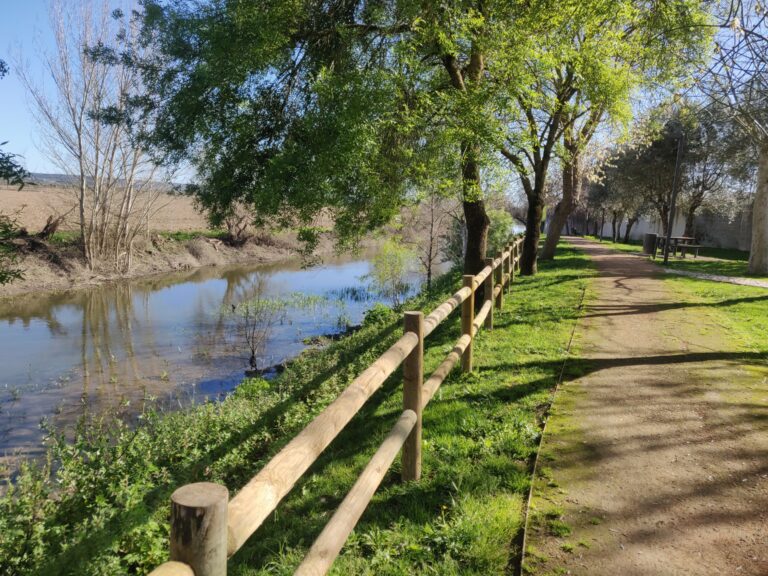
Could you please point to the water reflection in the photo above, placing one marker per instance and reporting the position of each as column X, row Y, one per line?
column 170, row 338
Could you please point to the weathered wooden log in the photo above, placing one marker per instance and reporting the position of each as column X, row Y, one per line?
column 488, row 294
column 413, row 378
column 199, row 528
column 485, row 309
column 441, row 372
column 444, row 310
column 500, row 282
column 328, row 545
column 172, row 569
column 467, row 319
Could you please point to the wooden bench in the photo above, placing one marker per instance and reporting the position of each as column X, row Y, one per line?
column 685, row 247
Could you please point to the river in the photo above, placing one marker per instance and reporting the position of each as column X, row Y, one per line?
column 172, row 339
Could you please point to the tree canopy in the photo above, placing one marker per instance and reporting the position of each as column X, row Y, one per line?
column 306, row 110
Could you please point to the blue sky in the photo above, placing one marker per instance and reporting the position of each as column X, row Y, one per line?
column 24, row 30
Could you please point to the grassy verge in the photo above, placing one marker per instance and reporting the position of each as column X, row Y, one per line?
column 105, row 510
column 740, row 312
column 186, row 235
column 69, row 237
column 719, row 261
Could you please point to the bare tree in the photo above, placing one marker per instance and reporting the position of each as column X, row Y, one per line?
column 737, row 80
column 82, row 109
column 424, row 230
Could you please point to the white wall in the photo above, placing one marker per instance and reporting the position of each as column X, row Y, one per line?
column 711, row 229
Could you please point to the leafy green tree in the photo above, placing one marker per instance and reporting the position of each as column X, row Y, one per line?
column 10, row 170
column 345, row 108
column 500, row 231
column 12, row 173
column 389, row 271
column 340, row 107
column 597, row 56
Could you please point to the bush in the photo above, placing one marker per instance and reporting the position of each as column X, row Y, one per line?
column 378, row 314
column 501, row 229
column 389, row 273
column 9, row 231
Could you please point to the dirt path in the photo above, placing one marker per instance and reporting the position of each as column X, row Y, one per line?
column 655, row 460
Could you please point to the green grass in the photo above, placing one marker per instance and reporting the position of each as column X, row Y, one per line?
column 69, row 237
column 741, row 312
column 107, row 510
column 729, row 262
column 65, row 238
column 186, row 235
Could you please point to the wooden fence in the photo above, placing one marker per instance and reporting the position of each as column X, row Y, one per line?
column 207, row 527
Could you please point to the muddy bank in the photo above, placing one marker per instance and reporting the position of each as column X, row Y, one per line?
column 49, row 267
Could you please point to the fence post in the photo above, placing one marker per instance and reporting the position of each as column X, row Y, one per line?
column 499, row 274
column 513, row 260
column 199, row 527
column 467, row 318
column 413, row 377
column 488, row 294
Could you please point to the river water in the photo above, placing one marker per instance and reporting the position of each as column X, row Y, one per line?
column 171, row 338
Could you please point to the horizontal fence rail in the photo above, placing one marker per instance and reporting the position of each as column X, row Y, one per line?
column 207, row 527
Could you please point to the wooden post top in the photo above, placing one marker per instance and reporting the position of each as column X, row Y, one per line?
column 200, row 495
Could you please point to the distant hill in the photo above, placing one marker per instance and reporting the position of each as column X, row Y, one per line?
column 67, row 180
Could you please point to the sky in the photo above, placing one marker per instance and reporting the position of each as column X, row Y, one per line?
column 24, row 30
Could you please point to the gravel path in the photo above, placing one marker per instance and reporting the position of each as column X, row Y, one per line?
column 718, row 278
column 655, row 460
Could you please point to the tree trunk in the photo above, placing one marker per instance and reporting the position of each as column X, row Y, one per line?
column 614, row 231
column 758, row 256
column 602, row 225
column 630, row 222
column 690, row 220
column 474, row 212
column 571, row 193
column 528, row 265
column 664, row 214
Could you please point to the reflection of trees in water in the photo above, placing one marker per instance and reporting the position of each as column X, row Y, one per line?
column 223, row 336
column 123, row 348
column 110, row 367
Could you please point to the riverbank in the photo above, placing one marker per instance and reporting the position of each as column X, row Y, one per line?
column 57, row 266
column 105, row 510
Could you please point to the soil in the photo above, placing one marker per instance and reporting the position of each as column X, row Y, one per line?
column 33, row 204
column 654, row 459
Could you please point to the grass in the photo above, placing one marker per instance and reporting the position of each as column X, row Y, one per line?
column 106, row 511
column 186, row 235
column 718, row 261
column 740, row 312
column 69, row 237
column 480, row 433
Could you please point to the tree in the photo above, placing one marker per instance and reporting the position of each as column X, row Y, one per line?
column 389, row 272
column 705, row 166
column 424, row 230
column 599, row 54
column 737, row 80
column 12, row 173
column 10, row 170
column 88, row 130
column 302, row 106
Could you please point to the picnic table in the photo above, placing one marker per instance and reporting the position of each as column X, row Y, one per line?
column 682, row 243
